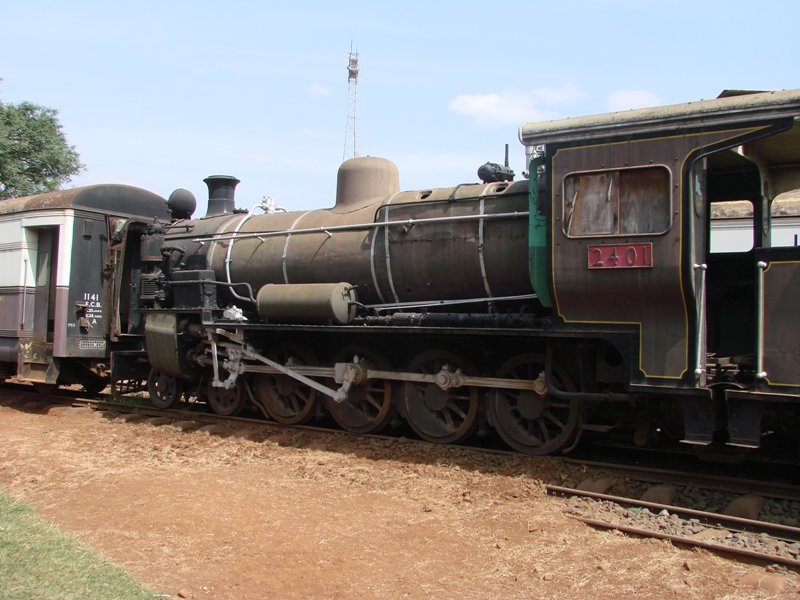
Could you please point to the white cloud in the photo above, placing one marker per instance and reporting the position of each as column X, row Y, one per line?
column 512, row 106
column 628, row 99
column 319, row 90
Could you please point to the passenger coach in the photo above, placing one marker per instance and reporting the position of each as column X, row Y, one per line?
column 61, row 309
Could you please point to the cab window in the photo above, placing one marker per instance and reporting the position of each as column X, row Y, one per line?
column 619, row 202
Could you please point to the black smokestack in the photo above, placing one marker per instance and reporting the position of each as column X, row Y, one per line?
column 220, row 194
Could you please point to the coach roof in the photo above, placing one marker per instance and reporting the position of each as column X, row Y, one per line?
column 105, row 198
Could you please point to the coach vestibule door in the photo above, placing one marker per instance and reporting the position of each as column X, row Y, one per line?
column 35, row 360
column 45, row 291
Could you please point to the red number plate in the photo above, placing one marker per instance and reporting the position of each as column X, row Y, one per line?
column 621, row 256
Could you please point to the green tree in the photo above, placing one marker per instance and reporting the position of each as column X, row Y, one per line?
column 34, row 154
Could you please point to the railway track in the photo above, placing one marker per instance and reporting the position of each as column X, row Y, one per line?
column 717, row 532
column 724, row 483
column 746, row 537
column 197, row 412
column 747, row 517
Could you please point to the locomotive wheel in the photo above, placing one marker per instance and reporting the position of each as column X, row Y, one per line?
column 227, row 402
column 368, row 407
column 94, row 387
column 528, row 422
column 165, row 390
column 287, row 400
column 437, row 415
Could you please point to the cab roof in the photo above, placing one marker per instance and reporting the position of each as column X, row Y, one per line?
column 737, row 108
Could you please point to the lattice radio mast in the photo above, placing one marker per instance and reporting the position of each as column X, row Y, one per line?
column 350, row 133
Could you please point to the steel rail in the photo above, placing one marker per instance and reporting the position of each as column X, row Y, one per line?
column 711, row 520
column 730, row 484
column 761, row 267
column 781, row 491
column 215, row 418
column 783, row 532
column 690, row 542
column 437, row 303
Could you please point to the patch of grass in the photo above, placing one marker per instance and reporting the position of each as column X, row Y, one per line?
column 130, row 400
column 38, row 561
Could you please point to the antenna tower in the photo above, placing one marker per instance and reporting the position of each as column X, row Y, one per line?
column 350, row 136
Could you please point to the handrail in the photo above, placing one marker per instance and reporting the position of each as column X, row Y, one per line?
column 699, row 367
column 356, row 227
column 760, row 268
column 24, row 292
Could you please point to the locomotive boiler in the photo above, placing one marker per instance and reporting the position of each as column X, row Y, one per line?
column 394, row 248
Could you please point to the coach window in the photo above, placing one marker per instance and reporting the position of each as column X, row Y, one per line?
column 620, row 202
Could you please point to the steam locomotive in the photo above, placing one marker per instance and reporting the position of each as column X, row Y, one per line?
column 585, row 297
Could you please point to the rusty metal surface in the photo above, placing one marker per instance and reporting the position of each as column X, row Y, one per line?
column 307, row 303
column 731, row 484
column 690, row 542
column 468, row 252
column 651, row 298
column 728, row 522
column 389, row 264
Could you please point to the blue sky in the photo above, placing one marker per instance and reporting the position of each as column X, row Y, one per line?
column 162, row 94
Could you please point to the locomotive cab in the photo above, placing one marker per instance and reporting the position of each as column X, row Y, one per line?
column 629, row 226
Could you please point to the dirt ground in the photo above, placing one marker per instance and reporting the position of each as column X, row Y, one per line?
column 309, row 515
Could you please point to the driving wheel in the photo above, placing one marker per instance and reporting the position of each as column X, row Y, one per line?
column 530, row 422
column 445, row 416
column 286, row 399
column 368, row 406
column 227, row 402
